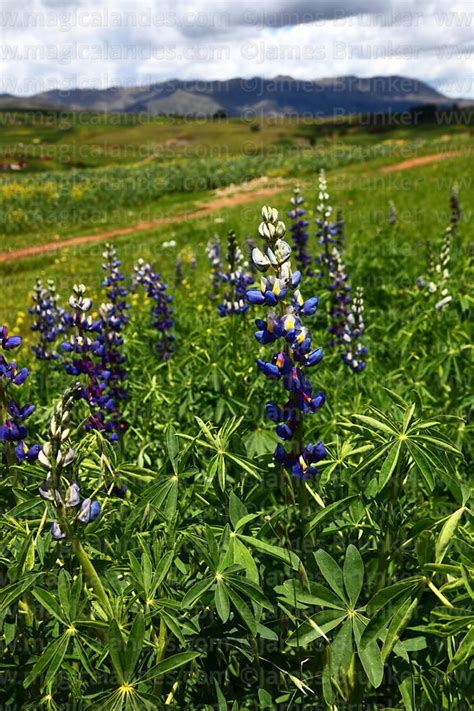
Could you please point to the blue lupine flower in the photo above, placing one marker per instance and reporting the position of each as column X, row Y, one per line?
column 84, row 347
column 108, row 347
column 214, row 256
column 297, row 353
column 339, row 289
column 236, row 280
column 12, row 415
column 90, row 510
column 299, row 233
column 161, row 311
column 56, row 532
column 50, row 319
column 353, row 329
column 61, row 487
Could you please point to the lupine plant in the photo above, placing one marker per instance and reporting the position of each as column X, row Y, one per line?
column 161, row 310
column 327, row 231
column 354, row 350
column 49, row 319
column 299, row 233
column 288, row 365
column 214, row 255
column 12, row 415
column 235, row 279
column 339, row 303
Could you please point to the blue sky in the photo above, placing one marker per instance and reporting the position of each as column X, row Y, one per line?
column 49, row 44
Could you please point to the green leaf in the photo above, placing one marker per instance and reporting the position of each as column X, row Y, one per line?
column 398, row 624
column 369, row 655
column 172, row 445
column 286, row 556
column 134, row 646
column 221, row 599
column 237, row 510
column 116, row 648
column 195, row 592
column 331, row 572
column 382, row 617
column 353, row 571
column 377, row 425
column 244, row 611
column 11, row 593
column 446, row 534
column 389, row 464
column 49, row 603
column 341, row 649
column 174, row 662
column 384, row 596
column 463, row 652
column 328, row 511
column 407, row 692
column 422, row 464
column 51, row 659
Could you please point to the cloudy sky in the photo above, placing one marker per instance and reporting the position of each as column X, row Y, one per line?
column 49, row 44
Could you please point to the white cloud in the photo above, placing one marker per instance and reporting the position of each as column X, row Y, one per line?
column 99, row 43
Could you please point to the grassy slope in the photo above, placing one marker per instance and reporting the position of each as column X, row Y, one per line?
column 421, row 196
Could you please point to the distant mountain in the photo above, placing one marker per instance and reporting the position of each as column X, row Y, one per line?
column 245, row 97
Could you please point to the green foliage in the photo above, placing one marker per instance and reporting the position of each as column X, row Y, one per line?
column 228, row 585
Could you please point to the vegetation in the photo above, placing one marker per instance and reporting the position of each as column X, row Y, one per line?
column 155, row 553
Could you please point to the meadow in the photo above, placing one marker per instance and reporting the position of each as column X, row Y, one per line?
column 175, row 534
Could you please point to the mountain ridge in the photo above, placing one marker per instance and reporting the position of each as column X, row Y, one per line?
column 255, row 96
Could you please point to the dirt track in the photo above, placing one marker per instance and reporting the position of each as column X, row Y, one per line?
column 238, row 198
column 211, row 206
column 415, row 162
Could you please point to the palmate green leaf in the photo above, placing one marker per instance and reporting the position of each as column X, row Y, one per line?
column 170, row 664
column 372, row 423
column 11, row 593
column 439, row 443
column 389, row 464
column 331, row 572
column 397, row 625
column 285, row 556
column 195, row 592
column 446, row 534
column 222, row 601
column 237, row 510
column 386, row 595
column 325, row 513
column 382, row 617
column 369, row 654
column 49, row 603
column 133, row 647
column 172, row 445
column 422, row 464
column 317, row 594
column 249, row 589
column 244, row 611
column 341, row 649
column 353, row 571
column 116, row 648
column 50, row 660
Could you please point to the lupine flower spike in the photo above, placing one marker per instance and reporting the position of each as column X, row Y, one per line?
column 84, row 355
column 12, row 415
column 392, row 213
column 161, row 310
column 236, row 280
column 299, row 233
column 60, row 486
column 279, row 288
column 214, row 256
column 439, row 271
column 113, row 316
column 339, row 289
column 49, row 319
column 355, row 351
column 327, row 231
